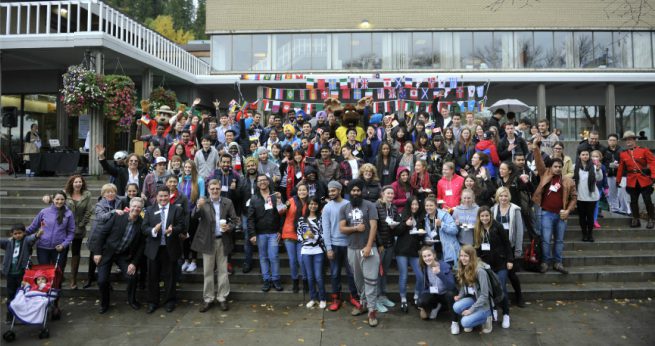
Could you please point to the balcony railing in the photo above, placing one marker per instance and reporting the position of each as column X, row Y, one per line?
column 57, row 18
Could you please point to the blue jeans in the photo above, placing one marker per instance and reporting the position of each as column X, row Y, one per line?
column 269, row 260
column 341, row 260
column 502, row 277
column 552, row 226
column 473, row 320
column 402, row 269
column 536, row 220
column 295, row 259
column 247, row 245
column 313, row 265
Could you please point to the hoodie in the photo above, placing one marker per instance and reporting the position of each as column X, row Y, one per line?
column 401, row 193
column 466, row 217
column 489, row 144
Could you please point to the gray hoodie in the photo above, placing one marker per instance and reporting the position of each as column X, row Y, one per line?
column 466, row 216
column 481, row 288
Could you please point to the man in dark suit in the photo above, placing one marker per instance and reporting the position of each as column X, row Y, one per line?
column 119, row 241
column 216, row 220
column 162, row 225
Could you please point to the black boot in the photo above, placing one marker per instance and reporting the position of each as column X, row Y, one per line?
column 590, row 234
column 296, row 286
column 584, row 234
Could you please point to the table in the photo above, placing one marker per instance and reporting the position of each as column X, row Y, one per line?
column 64, row 163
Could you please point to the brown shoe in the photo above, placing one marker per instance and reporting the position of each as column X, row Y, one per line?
column 423, row 313
column 205, row 307
column 223, row 305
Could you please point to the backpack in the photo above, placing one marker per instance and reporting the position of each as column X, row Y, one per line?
column 495, row 288
column 532, row 256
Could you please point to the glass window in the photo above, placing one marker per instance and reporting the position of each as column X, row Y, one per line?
column 563, row 49
column 382, row 50
column 402, row 50
column 301, row 59
column 524, row 49
column 572, row 121
column 583, row 49
column 340, row 51
column 261, row 57
column 643, row 54
column 602, row 49
column 241, row 52
column 221, row 52
column 320, row 51
column 361, row 51
column 463, row 49
column 12, row 101
column 636, row 118
column 485, row 54
column 622, row 49
column 504, row 44
column 421, row 50
column 443, row 50
column 544, row 54
column 283, row 52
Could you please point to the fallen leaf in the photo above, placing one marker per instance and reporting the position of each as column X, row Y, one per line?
column 301, row 340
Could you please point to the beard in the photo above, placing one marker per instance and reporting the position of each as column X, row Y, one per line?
column 356, row 201
column 252, row 171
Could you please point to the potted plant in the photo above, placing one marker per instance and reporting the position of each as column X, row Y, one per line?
column 83, row 89
column 120, row 100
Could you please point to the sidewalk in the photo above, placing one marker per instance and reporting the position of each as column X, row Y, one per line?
column 542, row 323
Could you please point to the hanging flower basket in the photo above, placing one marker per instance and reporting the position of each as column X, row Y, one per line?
column 162, row 97
column 120, row 100
column 83, row 89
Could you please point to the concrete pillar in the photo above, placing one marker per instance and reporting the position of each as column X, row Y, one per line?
column 62, row 124
column 260, row 104
column 541, row 101
column 97, row 120
column 146, row 83
column 610, row 109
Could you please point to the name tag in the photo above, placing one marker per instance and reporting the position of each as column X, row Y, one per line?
column 470, row 290
column 298, row 175
column 224, row 188
column 385, row 172
column 449, row 192
column 506, row 226
column 355, row 152
column 553, row 188
column 434, row 290
column 248, row 203
column 157, row 212
column 485, row 247
column 268, row 206
column 389, row 220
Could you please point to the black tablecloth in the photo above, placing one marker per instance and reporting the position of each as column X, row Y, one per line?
column 58, row 163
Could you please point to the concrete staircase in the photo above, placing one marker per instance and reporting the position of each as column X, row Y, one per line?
column 620, row 264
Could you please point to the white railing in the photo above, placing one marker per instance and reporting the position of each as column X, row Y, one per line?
column 92, row 16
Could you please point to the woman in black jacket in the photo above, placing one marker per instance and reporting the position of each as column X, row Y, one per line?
column 133, row 173
column 508, row 178
column 409, row 234
column 386, row 164
column 464, row 149
column 388, row 221
column 493, row 247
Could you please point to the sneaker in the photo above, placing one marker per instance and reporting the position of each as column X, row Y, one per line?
column 278, row 285
column 185, row 266
column 380, row 307
column 322, row 304
column 454, row 328
column 267, row 286
column 311, row 304
column 423, row 313
column 386, row 302
column 192, row 267
column 355, row 302
column 468, row 330
column 596, row 225
column 487, row 326
column 358, row 311
column 505, row 321
column 403, row 306
column 543, row 268
column 435, row 312
column 372, row 319
column 560, row 268
column 495, row 314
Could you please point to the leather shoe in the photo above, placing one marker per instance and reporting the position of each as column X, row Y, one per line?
column 134, row 305
column 278, row 285
column 635, row 223
column 151, row 308
column 103, row 309
column 224, row 306
column 205, row 307
column 88, row 284
column 267, row 286
column 246, row 269
column 650, row 224
column 170, row 307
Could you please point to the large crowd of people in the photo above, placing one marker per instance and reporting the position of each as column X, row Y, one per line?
column 450, row 196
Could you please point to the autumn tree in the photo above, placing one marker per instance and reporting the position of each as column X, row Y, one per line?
column 164, row 25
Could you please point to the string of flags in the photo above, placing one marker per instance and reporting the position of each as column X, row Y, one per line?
column 378, row 107
column 272, row 76
column 460, row 92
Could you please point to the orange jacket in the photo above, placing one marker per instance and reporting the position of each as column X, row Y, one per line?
column 289, row 226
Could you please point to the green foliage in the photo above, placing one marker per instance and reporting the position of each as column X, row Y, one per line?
column 160, row 96
column 164, row 26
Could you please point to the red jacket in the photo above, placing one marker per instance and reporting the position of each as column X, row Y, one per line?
column 632, row 162
column 189, row 149
column 400, row 194
column 489, row 144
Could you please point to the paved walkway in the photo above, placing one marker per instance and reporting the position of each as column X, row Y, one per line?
column 541, row 323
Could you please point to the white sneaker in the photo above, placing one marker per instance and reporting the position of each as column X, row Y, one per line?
column 185, row 266
column 487, row 326
column 495, row 315
column 505, row 321
column 380, row 307
column 191, row 268
column 322, row 304
column 311, row 304
column 467, row 330
column 454, row 328
column 435, row 312
column 386, row 302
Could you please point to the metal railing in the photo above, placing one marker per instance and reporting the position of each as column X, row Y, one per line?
column 92, row 16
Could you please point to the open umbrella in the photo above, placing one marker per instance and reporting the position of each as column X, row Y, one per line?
column 510, row 105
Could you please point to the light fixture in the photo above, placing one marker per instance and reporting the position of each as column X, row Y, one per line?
column 260, row 55
column 365, row 24
column 63, row 13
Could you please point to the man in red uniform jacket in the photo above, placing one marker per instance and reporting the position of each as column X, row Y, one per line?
column 639, row 166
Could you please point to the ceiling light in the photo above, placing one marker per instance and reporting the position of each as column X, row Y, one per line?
column 365, row 24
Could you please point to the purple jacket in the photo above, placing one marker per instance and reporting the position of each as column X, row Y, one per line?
column 54, row 234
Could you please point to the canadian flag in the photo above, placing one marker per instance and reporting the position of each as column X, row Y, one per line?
column 413, row 94
column 387, row 83
column 286, row 106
